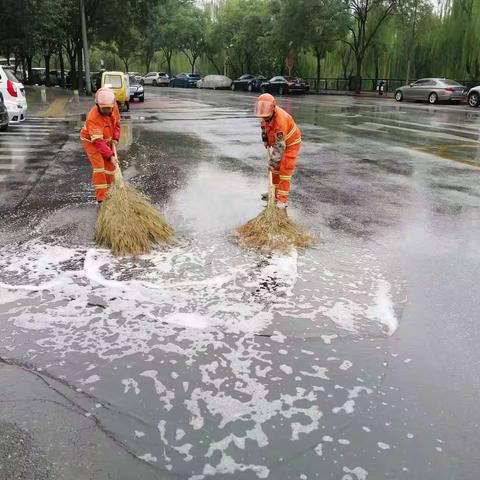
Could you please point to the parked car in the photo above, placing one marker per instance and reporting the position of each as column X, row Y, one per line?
column 136, row 89
column 4, row 120
column 431, row 90
column 473, row 96
column 38, row 76
column 250, row 83
column 164, row 79
column 217, row 82
column 118, row 82
column 156, row 79
column 297, row 84
column 283, row 85
column 13, row 95
column 185, row 80
column 138, row 76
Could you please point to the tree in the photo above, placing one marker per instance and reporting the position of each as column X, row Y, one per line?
column 48, row 32
column 324, row 23
column 190, row 23
column 367, row 16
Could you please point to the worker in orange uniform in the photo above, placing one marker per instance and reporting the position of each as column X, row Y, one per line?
column 101, row 129
column 282, row 138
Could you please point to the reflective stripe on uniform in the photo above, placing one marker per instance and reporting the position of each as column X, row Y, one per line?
column 295, row 142
column 103, row 185
column 282, row 192
column 96, row 137
column 291, row 132
column 83, row 139
column 103, row 170
column 285, row 177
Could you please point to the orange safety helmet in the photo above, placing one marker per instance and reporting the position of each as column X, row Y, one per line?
column 265, row 105
column 105, row 98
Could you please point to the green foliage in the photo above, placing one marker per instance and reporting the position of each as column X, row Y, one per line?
column 330, row 38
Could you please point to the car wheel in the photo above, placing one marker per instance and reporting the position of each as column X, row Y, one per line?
column 154, row 83
column 250, row 88
column 142, row 99
column 398, row 96
column 474, row 99
column 233, row 87
column 263, row 89
column 281, row 91
column 433, row 98
column 4, row 128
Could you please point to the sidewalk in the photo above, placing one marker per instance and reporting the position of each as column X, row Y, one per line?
column 348, row 93
column 55, row 102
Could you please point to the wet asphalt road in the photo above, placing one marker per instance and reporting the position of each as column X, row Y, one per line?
column 356, row 359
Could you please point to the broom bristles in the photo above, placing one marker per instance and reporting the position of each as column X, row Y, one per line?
column 128, row 224
column 271, row 230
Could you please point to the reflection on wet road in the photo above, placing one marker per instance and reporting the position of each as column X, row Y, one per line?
column 345, row 361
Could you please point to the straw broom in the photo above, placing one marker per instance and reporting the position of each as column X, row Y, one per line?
column 272, row 229
column 127, row 223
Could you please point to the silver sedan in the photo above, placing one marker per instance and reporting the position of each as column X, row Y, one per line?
column 431, row 90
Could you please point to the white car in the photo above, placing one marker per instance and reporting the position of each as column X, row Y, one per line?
column 215, row 82
column 138, row 76
column 156, row 79
column 13, row 93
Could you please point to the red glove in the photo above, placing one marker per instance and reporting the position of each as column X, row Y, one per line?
column 103, row 148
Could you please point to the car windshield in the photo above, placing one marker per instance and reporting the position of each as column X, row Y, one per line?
column 193, row 75
column 115, row 81
column 133, row 80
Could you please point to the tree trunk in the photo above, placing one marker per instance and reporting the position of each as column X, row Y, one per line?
column 357, row 83
column 73, row 69
column 24, row 70
column 29, row 59
column 168, row 56
column 47, row 69
column 319, row 58
column 125, row 63
column 80, row 68
column 62, row 66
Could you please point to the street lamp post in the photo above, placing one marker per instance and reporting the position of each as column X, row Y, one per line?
column 86, row 58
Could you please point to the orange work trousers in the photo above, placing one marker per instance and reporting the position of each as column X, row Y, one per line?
column 103, row 171
column 282, row 178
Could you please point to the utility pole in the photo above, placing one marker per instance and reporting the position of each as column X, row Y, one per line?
column 86, row 58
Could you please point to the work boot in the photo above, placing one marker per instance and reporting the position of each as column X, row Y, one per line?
column 282, row 206
column 99, row 204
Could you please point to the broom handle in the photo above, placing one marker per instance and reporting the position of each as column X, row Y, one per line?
column 271, row 188
column 118, row 172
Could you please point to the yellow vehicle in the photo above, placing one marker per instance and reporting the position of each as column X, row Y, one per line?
column 118, row 82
